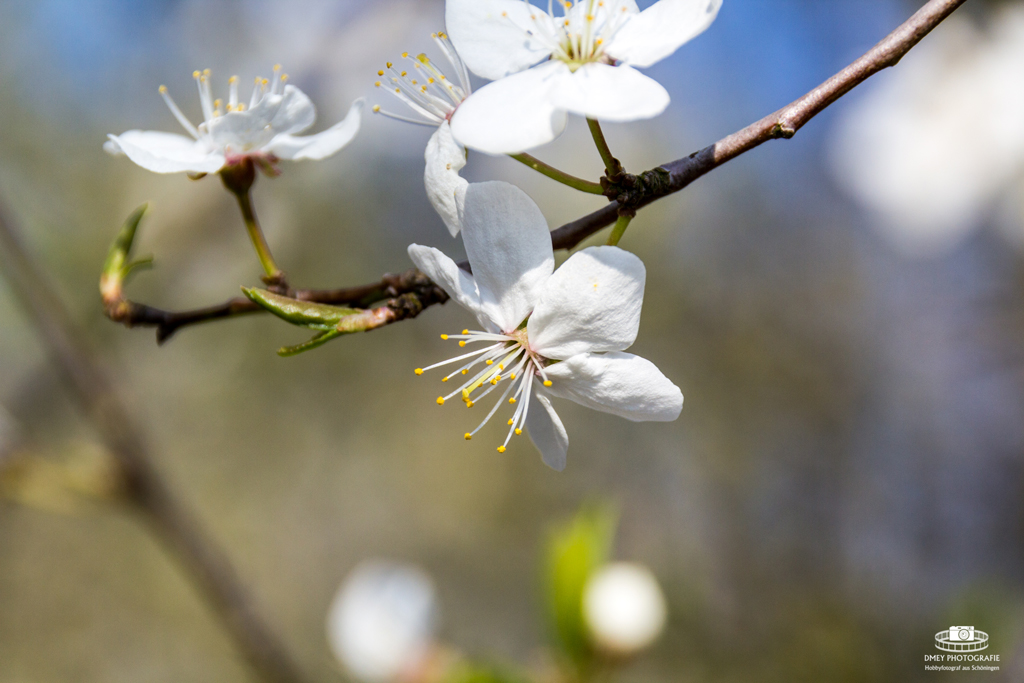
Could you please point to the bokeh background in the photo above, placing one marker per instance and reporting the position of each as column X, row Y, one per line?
column 846, row 477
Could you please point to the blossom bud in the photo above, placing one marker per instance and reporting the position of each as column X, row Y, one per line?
column 381, row 623
column 624, row 608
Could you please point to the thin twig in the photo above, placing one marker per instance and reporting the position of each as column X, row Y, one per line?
column 631, row 192
column 142, row 486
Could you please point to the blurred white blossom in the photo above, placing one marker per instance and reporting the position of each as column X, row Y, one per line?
column 940, row 137
column 545, row 66
column 381, row 623
column 433, row 97
column 624, row 608
column 264, row 130
column 546, row 332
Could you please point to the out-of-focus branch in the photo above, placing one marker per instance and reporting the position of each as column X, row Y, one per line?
column 140, row 484
column 628, row 192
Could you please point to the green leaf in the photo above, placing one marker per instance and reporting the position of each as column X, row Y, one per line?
column 575, row 551
column 322, row 338
column 114, row 267
column 306, row 313
column 476, row 673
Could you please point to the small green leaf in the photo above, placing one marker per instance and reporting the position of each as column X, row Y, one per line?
column 117, row 256
column 321, row 338
column 306, row 313
column 575, row 551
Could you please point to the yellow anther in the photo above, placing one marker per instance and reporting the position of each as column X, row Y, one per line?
column 501, row 449
column 465, row 332
column 196, row 74
column 500, row 366
column 504, row 14
column 418, row 371
column 163, row 89
column 398, row 90
column 217, row 103
column 465, row 371
column 206, row 72
column 598, row 41
column 494, row 381
column 511, row 400
column 376, row 107
column 423, row 88
column 444, row 379
column 388, row 64
column 518, row 432
column 377, row 84
column 239, row 107
column 490, row 362
column 404, row 55
column 462, row 343
column 277, row 67
column 284, row 77
column 468, row 436
column 497, row 378
column 404, row 74
column 444, row 336
column 264, row 82
column 380, row 72
column 440, row 400
column 430, row 80
column 233, row 79
column 510, row 422
column 465, row 395
column 433, row 35
column 469, row 404
column 547, row 383
column 513, row 375
column 422, row 57
column 415, row 82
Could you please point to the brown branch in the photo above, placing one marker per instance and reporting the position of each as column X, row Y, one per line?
column 141, row 485
column 628, row 192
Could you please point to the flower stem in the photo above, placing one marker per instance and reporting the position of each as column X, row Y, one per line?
column 256, row 235
column 561, row 176
column 620, row 227
column 612, row 167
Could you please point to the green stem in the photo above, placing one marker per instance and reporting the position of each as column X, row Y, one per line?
column 618, row 230
column 561, row 176
column 256, row 235
column 611, row 164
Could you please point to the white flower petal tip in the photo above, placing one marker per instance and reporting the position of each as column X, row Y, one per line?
column 323, row 144
column 544, row 66
column 624, row 608
column 533, row 315
column 381, row 623
column 232, row 131
column 446, row 189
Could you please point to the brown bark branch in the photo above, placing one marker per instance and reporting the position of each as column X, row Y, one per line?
column 141, row 485
column 628, row 192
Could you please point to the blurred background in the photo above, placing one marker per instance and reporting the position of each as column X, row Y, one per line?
column 843, row 312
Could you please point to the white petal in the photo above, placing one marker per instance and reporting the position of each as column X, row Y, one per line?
column 514, row 114
column 253, row 129
column 491, row 35
column 547, row 431
column 446, row 189
column 618, row 383
column 661, row 29
column 295, row 113
column 592, row 303
column 611, row 93
column 323, row 144
column 448, row 276
column 509, row 248
column 166, row 152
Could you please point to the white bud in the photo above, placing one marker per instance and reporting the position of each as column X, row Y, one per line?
column 624, row 608
column 381, row 622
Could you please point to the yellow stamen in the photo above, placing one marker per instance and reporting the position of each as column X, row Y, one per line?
column 440, row 400
column 381, row 72
column 418, row 371
column 490, row 362
column 444, row 336
column 404, row 55
column 468, row 436
column 163, row 89
column 376, row 108
column 511, row 400
column 469, row 404
column 547, row 383
column 510, row 422
column 462, row 343
column 196, row 74
column 501, row 449
column 518, row 432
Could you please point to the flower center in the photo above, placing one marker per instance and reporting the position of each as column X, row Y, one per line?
column 504, row 358
column 426, row 89
column 580, row 35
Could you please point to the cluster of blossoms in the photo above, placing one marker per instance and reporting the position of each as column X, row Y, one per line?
column 545, row 332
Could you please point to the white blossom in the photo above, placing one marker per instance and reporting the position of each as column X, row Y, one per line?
column 935, row 144
column 546, row 332
column 545, row 66
column 624, row 608
column 263, row 130
column 433, row 97
column 382, row 620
